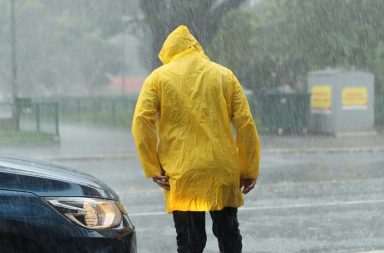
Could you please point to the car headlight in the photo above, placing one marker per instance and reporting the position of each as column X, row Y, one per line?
column 88, row 212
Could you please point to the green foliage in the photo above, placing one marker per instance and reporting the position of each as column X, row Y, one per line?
column 103, row 111
column 231, row 52
column 62, row 46
column 292, row 37
column 17, row 137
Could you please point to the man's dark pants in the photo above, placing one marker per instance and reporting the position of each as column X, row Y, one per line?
column 191, row 236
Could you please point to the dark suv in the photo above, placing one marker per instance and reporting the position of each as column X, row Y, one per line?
column 46, row 208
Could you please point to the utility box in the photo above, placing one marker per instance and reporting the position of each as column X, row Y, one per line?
column 342, row 102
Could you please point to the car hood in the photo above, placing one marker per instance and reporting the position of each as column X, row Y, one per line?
column 46, row 179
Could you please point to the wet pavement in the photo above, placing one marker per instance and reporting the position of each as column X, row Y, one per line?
column 88, row 142
column 329, row 199
column 302, row 203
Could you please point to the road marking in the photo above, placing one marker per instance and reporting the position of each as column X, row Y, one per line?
column 146, row 214
column 91, row 157
column 269, row 185
column 135, row 191
column 257, row 208
column 335, row 203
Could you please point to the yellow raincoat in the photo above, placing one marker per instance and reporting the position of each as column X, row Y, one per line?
column 194, row 101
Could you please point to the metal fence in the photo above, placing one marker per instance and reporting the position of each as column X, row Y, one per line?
column 274, row 113
column 5, row 110
column 281, row 112
column 379, row 111
column 6, row 120
column 41, row 117
column 31, row 116
column 110, row 111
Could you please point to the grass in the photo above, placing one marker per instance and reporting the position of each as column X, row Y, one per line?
column 15, row 137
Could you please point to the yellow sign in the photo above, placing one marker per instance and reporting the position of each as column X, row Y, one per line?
column 354, row 98
column 321, row 98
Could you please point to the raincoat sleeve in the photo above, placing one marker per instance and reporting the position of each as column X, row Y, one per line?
column 143, row 127
column 247, row 139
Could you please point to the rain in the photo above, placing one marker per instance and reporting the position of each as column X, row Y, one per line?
column 313, row 73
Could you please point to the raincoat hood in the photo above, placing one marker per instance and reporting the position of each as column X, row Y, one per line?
column 178, row 44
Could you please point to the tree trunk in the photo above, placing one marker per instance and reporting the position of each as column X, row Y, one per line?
column 202, row 19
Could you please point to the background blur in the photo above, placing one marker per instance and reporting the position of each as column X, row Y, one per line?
column 77, row 48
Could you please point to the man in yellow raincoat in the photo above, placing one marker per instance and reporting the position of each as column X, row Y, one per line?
column 184, row 137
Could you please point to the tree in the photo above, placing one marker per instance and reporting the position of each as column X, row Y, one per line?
column 232, row 45
column 288, row 38
column 63, row 46
column 203, row 17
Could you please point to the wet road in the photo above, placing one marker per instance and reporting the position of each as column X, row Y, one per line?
column 302, row 203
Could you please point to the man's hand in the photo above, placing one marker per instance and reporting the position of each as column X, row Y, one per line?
column 247, row 184
column 162, row 181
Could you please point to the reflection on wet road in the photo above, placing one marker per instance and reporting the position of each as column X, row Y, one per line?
column 303, row 203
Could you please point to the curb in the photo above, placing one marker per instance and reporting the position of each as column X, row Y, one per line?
column 323, row 150
column 89, row 157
